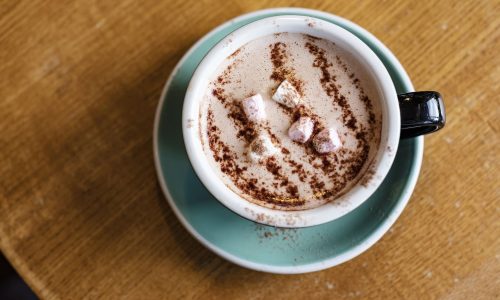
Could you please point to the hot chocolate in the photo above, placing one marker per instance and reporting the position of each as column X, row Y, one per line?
column 290, row 121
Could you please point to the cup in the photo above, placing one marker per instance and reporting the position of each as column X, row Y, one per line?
column 403, row 116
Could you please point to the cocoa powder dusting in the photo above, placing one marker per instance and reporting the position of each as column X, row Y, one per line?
column 228, row 164
column 297, row 168
column 235, row 53
column 356, row 159
column 279, row 58
column 312, row 37
column 341, row 168
column 328, row 82
column 245, row 128
column 219, row 94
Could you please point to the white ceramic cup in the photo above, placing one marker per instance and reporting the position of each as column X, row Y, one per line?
column 390, row 131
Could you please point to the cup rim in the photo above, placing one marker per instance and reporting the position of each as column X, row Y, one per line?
column 303, row 218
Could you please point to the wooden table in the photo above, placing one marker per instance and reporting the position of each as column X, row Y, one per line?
column 82, row 215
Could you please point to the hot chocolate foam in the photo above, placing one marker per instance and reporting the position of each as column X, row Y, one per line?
column 335, row 93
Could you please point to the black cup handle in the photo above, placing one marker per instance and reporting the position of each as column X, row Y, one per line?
column 421, row 113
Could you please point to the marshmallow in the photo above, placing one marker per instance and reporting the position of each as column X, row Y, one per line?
column 326, row 141
column 261, row 147
column 254, row 108
column 301, row 130
column 286, row 94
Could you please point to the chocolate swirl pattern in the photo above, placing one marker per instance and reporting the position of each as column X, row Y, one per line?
column 335, row 92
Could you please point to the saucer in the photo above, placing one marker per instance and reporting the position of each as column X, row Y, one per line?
column 261, row 247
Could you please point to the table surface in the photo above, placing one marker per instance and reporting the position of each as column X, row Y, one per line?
column 82, row 215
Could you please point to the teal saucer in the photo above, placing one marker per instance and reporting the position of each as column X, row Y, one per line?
column 261, row 247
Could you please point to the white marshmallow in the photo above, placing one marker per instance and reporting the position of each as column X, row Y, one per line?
column 286, row 94
column 254, row 108
column 301, row 130
column 261, row 147
column 327, row 140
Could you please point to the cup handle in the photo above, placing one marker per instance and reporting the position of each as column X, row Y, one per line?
column 421, row 113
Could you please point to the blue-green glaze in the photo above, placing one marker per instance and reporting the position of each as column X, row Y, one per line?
column 261, row 244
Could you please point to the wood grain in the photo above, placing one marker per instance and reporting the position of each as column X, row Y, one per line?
column 81, row 214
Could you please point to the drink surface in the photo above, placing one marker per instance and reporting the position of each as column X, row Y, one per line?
column 336, row 92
